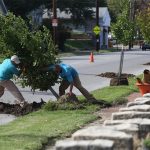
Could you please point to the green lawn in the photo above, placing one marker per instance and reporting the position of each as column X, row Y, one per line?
column 80, row 44
column 75, row 47
column 30, row 132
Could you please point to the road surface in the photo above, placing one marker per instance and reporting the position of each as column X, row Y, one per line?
column 106, row 62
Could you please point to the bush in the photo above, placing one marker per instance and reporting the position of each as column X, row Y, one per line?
column 35, row 48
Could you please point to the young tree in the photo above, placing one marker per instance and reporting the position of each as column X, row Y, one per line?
column 35, row 48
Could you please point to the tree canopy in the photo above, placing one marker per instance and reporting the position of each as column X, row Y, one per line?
column 143, row 20
column 124, row 27
column 35, row 48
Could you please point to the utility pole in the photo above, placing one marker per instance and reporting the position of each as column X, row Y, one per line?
column 97, row 24
column 54, row 22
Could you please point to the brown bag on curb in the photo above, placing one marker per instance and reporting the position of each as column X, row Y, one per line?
column 146, row 76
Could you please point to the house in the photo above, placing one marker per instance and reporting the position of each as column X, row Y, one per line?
column 104, row 23
column 37, row 15
column 3, row 9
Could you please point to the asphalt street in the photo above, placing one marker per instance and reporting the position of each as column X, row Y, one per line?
column 106, row 62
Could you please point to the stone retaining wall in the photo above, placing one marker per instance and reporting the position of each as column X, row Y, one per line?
column 125, row 130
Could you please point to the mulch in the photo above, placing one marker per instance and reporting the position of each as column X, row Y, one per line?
column 147, row 63
column 16, row 110
column 114, row 75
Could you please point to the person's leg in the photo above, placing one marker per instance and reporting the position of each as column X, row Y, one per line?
column 1, row 90
column 63, row 86
column 90, row 98
column 12, row 88
column 78, row 85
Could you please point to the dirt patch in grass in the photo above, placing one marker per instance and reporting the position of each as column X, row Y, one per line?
column 16, row 110
column 113, row 75
column 147, row 63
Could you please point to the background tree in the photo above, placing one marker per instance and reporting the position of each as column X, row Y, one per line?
column 116, row 7
column 143, row 20
column 123, row 29
column 35, row 48
column 80, row 12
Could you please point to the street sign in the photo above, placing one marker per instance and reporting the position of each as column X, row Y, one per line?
column 96, row 30
column 54, row 22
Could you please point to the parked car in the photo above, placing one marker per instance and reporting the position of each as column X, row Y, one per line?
column 145, row 46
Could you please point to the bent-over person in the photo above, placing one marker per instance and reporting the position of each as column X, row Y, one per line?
column 70, row 78
column 8, row 68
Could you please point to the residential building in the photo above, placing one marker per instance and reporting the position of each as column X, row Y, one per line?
column 104, row 23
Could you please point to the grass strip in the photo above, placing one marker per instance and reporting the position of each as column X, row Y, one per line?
column 30, row 132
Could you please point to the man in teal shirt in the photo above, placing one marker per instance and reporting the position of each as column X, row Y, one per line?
column 70, row 78
column 7, row 69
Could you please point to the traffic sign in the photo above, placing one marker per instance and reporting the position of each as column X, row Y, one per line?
column 54, row 22
column 96, row 30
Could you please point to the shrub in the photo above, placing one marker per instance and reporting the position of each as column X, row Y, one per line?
column 35, row 48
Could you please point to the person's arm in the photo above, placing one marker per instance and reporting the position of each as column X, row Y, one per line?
column 47, row 68
column 71, row 87
column 70, row 79
column 16, row 71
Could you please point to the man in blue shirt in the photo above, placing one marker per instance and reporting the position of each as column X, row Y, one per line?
column 70, row 78
column 7, row 69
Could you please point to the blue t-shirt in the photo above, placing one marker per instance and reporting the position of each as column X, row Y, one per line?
column 7, row 70
column 68, row 73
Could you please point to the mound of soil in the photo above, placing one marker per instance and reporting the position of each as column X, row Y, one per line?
column 147, row 63
column 16, row 110
column 68, row 98
column 114, row 75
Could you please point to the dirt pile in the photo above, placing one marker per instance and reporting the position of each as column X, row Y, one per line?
column 113, row 75
column 147, row 63
column 16, row 110
column 68, row 98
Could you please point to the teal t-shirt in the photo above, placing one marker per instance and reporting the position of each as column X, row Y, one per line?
column 7, row 70
column 68, row 73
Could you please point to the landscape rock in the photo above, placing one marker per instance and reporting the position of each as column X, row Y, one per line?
column 122, row 140
column 142, row 102
column 98, row 144
column 142, row 98
column 130, row 115
column 144, row 108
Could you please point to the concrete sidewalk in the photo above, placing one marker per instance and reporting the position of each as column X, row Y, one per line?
column 47, row 95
